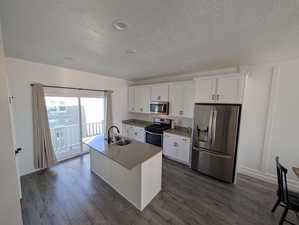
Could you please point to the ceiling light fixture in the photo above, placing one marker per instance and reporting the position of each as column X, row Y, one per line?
column 68, row 58
column 131, row 51
column 120, row 25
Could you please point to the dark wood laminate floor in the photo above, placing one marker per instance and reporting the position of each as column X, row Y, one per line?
column 69, row 194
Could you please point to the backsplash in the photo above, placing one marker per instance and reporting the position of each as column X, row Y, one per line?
column 182, row 122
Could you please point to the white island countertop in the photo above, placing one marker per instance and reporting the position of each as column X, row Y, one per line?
column 129, row 156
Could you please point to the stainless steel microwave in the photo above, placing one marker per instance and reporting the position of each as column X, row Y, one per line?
column 159, row 107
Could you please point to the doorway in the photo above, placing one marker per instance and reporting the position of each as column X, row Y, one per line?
column 72, row 118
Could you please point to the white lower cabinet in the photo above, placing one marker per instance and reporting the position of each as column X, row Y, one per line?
column 177, row 147
column 133, row 132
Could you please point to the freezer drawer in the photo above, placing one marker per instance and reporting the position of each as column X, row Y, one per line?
column 217, row 165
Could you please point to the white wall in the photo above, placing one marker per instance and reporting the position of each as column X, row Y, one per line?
column 10, row 210
column 23, row 73
column 254, row 117
column 270, row 121
column 284, row 133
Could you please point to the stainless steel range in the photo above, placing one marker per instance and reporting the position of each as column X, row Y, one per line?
column 154, row 132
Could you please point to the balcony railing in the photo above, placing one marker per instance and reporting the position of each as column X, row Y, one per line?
column 66, row 139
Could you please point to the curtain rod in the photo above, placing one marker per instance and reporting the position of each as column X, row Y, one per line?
column 73, row 88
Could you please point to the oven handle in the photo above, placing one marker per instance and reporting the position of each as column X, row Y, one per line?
column 153, row 133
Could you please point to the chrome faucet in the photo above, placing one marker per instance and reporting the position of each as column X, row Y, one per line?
column 109, row 138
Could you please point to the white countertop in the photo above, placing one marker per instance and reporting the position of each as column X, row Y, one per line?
column 128, row 156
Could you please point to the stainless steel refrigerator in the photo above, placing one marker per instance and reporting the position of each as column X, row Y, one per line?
column 215, row 139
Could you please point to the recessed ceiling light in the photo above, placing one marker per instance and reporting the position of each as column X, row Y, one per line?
column 131, row 51
column 68, row 58
column 120, row 25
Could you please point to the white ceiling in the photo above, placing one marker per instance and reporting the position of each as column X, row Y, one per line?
column 169, row 36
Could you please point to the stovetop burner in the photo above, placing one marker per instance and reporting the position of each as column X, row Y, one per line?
column 159, row 126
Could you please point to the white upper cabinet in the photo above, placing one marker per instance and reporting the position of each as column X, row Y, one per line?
column 230, row 89
column 181, row 98
column 220, row 89
column 205, row 89
column 160, row 92
column 142, row 99
column 131, row 100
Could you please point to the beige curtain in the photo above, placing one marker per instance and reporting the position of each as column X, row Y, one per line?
column 44, row 155
column 108, row 113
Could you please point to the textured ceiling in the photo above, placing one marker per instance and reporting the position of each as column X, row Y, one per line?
column 169, row 36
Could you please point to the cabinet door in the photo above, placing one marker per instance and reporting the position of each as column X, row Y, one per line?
column 168, row 149
column 176, row 93
column 230, row 89
column 135, row 133
column 188, row 99
column 142, row 99
column 130, row 131
column 131, row 100
column 181, row 97
column 183, row 147
column 124, row 130
column 140, row 134
column 160, row 92
column 205, row 90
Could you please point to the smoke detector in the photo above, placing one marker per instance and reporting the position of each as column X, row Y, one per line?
column 120, row 25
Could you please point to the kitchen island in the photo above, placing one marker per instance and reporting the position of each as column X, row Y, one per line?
column 133, row 170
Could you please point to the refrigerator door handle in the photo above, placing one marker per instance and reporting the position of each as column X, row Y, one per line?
column 216, row 154
column 210, row 127
column 214, row 126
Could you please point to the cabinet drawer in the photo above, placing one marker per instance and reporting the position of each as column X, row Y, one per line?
column 178, row 138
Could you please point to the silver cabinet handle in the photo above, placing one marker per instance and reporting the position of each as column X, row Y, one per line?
column 214, row 126
column 210, row 126
column 181, row 112
column 153, row 133
column 159, row 97
column 213, row 97
column 175, row 144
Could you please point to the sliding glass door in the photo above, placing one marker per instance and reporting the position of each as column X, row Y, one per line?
column 92, row 117
column 71, row 119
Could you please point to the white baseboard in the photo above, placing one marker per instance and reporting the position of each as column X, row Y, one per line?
column 270, row 178
column 29, row 172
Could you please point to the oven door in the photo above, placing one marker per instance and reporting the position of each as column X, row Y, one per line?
column 154, row 138
column 159, row 107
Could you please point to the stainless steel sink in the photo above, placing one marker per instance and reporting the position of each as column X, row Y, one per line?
column 123, row 142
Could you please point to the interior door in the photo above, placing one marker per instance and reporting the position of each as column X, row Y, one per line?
column 224, row 128
column 15, row 146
